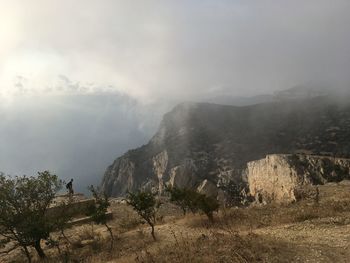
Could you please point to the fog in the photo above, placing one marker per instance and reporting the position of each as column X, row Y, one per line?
column 73, row 136
column 82, row 81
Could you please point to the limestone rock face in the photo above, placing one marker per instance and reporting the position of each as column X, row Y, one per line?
column 276, row 177
column 272, row 178
column 183, row 175
column 203, row 141
column 160, row 163
column 119, row 178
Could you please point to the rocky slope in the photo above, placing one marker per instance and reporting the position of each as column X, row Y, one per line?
column 277, row 178
column 199, row 141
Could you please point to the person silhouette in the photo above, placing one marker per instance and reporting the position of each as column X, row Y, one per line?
column 69, row 186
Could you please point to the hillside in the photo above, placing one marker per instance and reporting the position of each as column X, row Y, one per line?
column 198, row 141
column 304, row 231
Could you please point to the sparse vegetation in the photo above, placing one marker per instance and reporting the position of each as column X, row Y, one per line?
column 236, row 193
column 98, row 211
column 184, row 198
column 191, row 200
column 146, row 205
column 245, row 234
column 208, row 205
column 24, row 202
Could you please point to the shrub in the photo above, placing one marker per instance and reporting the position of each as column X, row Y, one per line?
column 98, row 211
column 208, row 205
column 191, row 200
column 24, row 202
column 146, row 205
column 184, row 198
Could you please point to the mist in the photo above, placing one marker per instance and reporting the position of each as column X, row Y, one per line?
column 81, row 82
column 74, row 136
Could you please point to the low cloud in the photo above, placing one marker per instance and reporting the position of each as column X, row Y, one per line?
column 83, row 81
column 152, row 50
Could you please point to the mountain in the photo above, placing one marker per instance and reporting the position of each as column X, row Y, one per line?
column 301, row 92
column 294, row 93
column 208, row 143
column 241, row 101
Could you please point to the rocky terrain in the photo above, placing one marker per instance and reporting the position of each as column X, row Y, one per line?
column 279, row 177
column 209, row 145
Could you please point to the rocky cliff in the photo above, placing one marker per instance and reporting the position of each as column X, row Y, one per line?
column 201, row 144
column 276, row 178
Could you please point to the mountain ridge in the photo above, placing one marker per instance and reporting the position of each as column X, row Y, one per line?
column 204, row 141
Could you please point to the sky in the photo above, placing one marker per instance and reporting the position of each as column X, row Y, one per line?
column 113, row 67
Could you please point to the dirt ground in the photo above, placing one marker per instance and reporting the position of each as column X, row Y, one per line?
column 302, row 232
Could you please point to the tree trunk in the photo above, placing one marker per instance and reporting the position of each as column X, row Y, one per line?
column 38, row 249
column 65, row 237
column 26, row 252
column 210, row 217
column 111, row 233
column 58, row 249
column 154, row 237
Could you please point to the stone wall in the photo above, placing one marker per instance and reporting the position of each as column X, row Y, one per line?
column 76, row 208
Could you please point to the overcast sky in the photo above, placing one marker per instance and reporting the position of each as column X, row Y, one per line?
column 155, row 49
column 148, row 53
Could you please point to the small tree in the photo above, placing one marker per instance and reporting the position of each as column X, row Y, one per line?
column 98, row 211
column 184, row 198
column 24, row 202
column 235, row 193
column 193, row 201
column 208, row 205
column 177, row 196
column 146, row 205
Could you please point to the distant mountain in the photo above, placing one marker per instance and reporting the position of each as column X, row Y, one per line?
column 241, row 101
column 301, row 92
column 203, row 142
column 294, row 93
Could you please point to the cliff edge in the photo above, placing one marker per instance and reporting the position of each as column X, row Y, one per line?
column 208, row 143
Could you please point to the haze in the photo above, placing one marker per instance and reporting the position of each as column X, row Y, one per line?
column 83, row 81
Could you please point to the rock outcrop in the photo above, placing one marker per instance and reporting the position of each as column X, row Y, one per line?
column 277, row 177
column 183, row 175
column 201, row 141
column 119, row 177
column 160, row 163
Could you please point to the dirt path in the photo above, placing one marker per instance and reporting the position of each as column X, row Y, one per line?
column 323, row 240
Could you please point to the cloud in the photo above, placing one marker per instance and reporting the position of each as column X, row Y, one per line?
column 72, row 135
column 83, row 81
column 152, row 50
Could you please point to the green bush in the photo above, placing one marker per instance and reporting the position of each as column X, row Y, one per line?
column 191, row 200
column 184, row 198
column 146, row 205
column 24, row 202
column 98, row 211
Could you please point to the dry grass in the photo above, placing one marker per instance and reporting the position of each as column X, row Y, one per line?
column 218, row 247
column 237, row 235
column 335, row 201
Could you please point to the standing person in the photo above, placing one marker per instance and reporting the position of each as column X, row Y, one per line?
column 69, row 186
